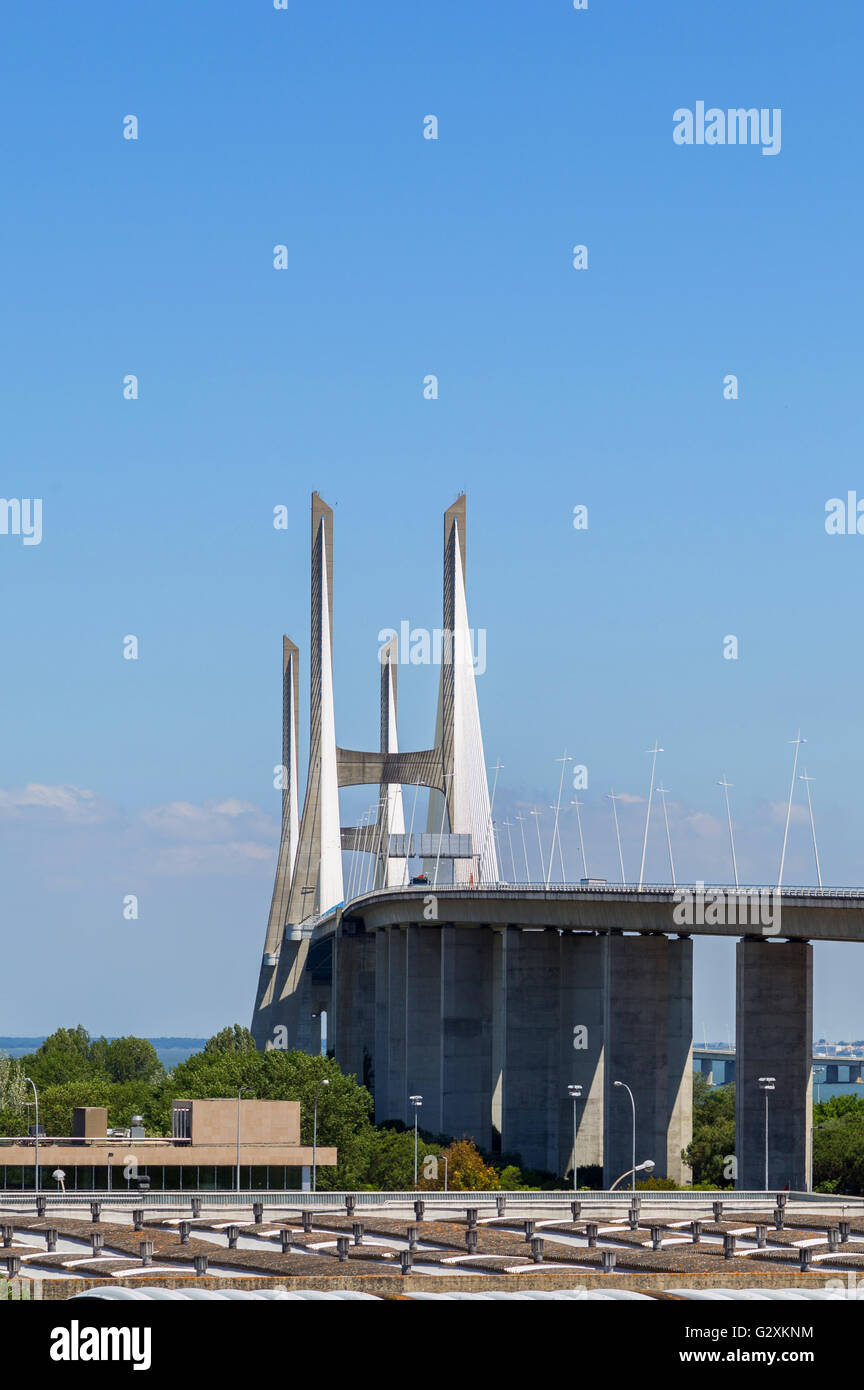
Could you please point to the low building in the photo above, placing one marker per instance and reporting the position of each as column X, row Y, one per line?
column 200, row 1154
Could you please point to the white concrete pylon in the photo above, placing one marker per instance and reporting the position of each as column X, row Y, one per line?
column 330, row 889
column 468, row 790
column 390, row 872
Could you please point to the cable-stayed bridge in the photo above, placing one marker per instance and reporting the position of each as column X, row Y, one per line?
column 493, row 1000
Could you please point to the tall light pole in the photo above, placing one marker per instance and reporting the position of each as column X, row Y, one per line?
column 239, row 1094
column 36, row 1103
column 726, row 785
column 557, row 834
column 633, row 1104
column 323, row 1082
column 521, row 820
column 577, row 804
column 441, row 827
column 536, row 815
column 490, row 829
column 563, row 761
column 797, row 742
column 653, row 751
column 766, row 1084
column 416, row 1101
column 807, row 780
column 575, row 1093
column 663, row 790
column 508, row 825
column 613, row 798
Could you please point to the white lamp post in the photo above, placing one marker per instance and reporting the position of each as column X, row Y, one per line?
column 36, row 1103
column 323, row 1082
column 633, row 1104
column 766, row 1084
column 416, row 1101
column 797, row 742
column 726, row 785
column 645, row 1167
column 653, row 751
column 613, row 798
column 575, row 1093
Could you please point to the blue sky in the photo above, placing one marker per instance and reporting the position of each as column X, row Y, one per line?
column 556, row 387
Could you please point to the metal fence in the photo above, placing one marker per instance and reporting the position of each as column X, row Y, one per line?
column 334, row 1200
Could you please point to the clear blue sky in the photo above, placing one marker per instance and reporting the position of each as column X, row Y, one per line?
column 557, row 387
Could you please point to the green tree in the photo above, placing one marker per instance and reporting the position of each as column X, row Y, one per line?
column 713, row 1145
column 467, row 1171
column 234, row 1038
column 390, row 1160
column 838, row 1145
column 64, row 1056
column 127, row 1059
column 13, row 1088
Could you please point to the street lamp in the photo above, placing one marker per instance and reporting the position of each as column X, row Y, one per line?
column 633, row 1103
column 575, row 1093
column 36, row 1103
column 239, row 1094
column 323, row 1082
column 766, row 1084
column 416, row 1101
column 645, row 1167
column 110, row 1156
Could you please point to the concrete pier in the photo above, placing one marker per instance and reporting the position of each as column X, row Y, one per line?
column 352, row 1029
column 491, row 1026
column 466, row 1033
column 650, row 1004
column 548, row 1033
column 774, row 992
column 423, row 1022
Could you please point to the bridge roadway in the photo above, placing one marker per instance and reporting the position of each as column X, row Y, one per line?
column 806, row 914
column 490, row 1002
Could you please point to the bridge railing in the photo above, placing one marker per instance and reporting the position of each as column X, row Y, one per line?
column 321, row 1201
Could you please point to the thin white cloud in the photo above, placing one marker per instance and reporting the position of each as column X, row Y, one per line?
column 76, row 805
column 231, row 858
column 778, row 813
column 217, row 821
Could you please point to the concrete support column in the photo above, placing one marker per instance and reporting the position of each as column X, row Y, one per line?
column 466, row 1032
column 397, row 1082
column 527, row 1005
column 679, row 1062
column 584, row 976
column 383, row 1109
column 423, row 1021
column 774, row 1029
column 352, row 1022
column 548, row 1012
column 650, row 1050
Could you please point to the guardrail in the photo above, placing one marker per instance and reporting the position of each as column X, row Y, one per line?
column 332, row 1200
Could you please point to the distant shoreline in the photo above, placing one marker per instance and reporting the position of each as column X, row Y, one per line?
column 170, row 1050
